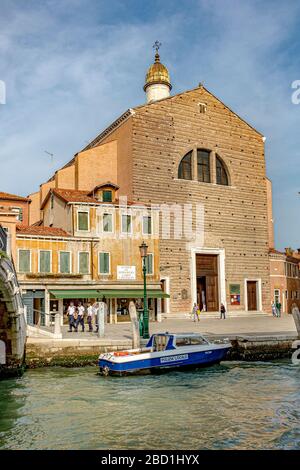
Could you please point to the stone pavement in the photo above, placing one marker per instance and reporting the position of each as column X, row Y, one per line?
column 259, row 326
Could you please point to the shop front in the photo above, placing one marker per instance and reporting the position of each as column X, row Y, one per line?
column 117, row 301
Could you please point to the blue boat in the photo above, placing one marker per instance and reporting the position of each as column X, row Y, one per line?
column 165, row 351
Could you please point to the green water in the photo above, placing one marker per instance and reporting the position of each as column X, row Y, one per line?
column 233, row 406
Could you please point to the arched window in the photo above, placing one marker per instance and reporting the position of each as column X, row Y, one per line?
column 185, row 167
column 221, row 173
column 203, row 165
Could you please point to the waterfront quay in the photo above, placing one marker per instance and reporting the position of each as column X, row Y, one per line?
column 252, row 338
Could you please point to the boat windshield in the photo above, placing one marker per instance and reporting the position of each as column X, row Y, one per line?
column 160, row 342
column 190, row 341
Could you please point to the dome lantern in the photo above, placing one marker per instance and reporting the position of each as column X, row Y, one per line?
column 157, row 83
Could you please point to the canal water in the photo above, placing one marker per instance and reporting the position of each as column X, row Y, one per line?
column 236, row 405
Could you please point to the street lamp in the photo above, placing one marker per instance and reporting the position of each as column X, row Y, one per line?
column 143, row 251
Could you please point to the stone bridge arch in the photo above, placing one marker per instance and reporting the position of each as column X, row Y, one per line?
column 12, row 320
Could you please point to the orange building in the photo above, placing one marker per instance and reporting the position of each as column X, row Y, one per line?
column 88, row 249
column 17, row 204
column 285, row 278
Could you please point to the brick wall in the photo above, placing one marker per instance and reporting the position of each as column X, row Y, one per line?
column 236, row 217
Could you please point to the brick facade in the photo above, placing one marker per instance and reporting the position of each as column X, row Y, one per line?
column 236, row 217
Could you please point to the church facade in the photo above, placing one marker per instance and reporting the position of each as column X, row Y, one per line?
column 204, row 167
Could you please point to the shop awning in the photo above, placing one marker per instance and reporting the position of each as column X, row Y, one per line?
column 75, row 294
column 107, row 293
column 132, row 293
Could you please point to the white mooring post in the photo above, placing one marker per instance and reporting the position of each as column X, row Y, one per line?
column 57, row 327
column 101, row 322
column 296, row 316
column 135, row 325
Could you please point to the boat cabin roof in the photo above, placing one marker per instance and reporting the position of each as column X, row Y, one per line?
column 166, row 341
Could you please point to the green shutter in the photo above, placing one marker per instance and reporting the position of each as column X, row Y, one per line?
column 24, row 261
column 83, row 220
column 64, row 262
column 107, row 196
column 84, row 263
column 44, row 261
column 104, row 263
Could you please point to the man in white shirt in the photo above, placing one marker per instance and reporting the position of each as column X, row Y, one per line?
column 71, row 313
column 80, row 319
column 90, row 314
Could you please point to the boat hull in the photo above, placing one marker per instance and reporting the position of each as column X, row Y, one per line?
column 156, row 365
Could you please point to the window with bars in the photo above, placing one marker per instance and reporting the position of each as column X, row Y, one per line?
column 83, row 261
column 64, row 262
column 147, row 226
column 83, row 220
column 185, row 167
column 45, row 261
column 203, row 165
column 24, row 261
column 221, row 173
column 107, row 223
column 104, row 263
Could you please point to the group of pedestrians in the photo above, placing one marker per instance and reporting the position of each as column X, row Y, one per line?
column 196, row 312
column 276, row 309
column 76, row 316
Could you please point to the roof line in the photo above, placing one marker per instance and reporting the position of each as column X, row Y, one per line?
column 194, row 89
column 113, row 126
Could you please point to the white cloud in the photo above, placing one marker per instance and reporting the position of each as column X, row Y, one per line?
column 71, row 67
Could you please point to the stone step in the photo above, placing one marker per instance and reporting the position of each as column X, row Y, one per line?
column 210, row 315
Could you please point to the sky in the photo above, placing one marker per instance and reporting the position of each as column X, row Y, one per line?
column 70, row 67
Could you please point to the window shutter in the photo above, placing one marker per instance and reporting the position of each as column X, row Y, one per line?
column 64, row 262
column 147, row 225
column 83, row 263
column 104, row 263
column 24, row 261
column 83, row 221
column 45, row 261
column 107, row 223
column 107, row 196
column 149, row 264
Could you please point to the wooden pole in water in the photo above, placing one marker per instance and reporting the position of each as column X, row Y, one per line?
column 135, row 325
column 296, row 316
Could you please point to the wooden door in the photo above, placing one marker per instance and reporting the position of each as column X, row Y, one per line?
column 252, row 295
column 212, row 293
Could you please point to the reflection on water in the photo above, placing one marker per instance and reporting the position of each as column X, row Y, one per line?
column 233, row 406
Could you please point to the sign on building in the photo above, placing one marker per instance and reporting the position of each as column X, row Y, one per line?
column 235, row 294
column 126, row 273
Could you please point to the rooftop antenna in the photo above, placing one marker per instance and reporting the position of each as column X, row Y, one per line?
column 51, row 155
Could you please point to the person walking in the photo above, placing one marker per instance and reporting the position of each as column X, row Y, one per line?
column 90, row 315
column 278, row 308
column 195, row 312
column 80, row 319
column 71, row 317
column 274, row 310
column 222, row 312
column 76, row 318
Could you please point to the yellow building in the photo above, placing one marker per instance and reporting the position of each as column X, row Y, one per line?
column 88, row 248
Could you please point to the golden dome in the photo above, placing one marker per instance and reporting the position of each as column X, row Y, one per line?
column 157, row 73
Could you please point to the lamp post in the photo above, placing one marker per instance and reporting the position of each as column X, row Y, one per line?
column 143, row 250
